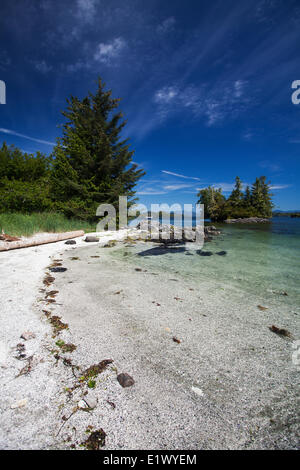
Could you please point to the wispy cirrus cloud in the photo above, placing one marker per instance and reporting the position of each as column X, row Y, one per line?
column 167, row 25
column 23, row 136
column 179, row 175
column 214, row 104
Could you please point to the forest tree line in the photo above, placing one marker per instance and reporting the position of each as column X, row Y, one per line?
column 90, row 164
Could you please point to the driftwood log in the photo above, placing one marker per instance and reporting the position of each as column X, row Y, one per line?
column 35, row 241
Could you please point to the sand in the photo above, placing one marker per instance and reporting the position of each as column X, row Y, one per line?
column 229, row 384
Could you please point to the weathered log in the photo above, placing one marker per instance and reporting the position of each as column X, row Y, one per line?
column 36, row 240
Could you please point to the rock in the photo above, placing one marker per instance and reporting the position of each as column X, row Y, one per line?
column 82, row 405
column 91, row 239
column 91, row 401
column 27, row 335
column 125, row 380
column 222, row 253
column 204, row 253
column 58, row 270
column 189, row 235
column 249, row 220
column 198, row 391
column 70, row 242
column 19, row 404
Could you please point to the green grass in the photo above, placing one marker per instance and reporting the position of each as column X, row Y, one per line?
column 16, row 224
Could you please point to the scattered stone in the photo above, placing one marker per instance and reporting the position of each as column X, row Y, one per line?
column 280, row 331
column 221, row 253
column 204, row 253
column 91, row 239
column 110, row 244
column 262, row 308
column 118, row 292
column 176, row 340
column 70, row 242
column 249, row 220
column 19, row 404
column 58, row 270
column 198, row 391
column 27, row 335
column 90, row 401
column 138, row 269
column 125, row 380
column 95, row 440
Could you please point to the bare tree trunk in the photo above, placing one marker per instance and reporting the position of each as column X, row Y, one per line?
column 35, row 240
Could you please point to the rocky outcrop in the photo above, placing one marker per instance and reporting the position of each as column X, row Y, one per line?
column 167, row 234
column 250, row 220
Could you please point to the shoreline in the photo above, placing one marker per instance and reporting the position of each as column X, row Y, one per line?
column 119, row 311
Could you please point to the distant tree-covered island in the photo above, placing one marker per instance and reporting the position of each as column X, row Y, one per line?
column 253, row 202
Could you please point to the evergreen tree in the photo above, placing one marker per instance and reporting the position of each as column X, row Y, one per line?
column 236, row 197
column 92, row 164
column 214, row 203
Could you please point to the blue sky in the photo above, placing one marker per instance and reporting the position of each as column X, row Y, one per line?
column 205, row 85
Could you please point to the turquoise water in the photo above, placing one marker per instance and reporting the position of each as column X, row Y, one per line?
column 261, row 259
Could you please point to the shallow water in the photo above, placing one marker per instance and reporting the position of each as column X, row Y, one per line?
column 261, row 259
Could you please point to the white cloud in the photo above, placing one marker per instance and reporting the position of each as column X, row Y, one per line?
column 214, row 105
column 110, row 50
column 174, row 187
column 86, row 10
column 23, row 136
column 180, row 176
column 165, row 95
column 167, row 25
column 42, row 66
column 280, row 186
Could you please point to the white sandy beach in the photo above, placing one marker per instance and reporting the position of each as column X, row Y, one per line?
column 229, row 384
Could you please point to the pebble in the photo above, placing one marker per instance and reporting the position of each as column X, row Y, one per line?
column 198, row 391
column 19, row 404
column 125, row 380
column 27, row 335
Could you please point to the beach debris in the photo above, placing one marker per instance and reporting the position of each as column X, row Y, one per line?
column 95, row 440
column 27, row 369
column 48, row 280
column 51, row 294
column 198, row 391
column 58, row 270
column 280, row 331
column 262, row 308
column 221, row 253
column 19, row 404
column 178, row 298
column 176, row 340
column 65, row 347
column 91, row 239
column 27, row 335
column 21, row 351
column 96, row 369
column 111, row 403
column 74, row 258
column 118, row 292
column 70, row 242
column 7, row 238
column 57, row 324
column 125, row 380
